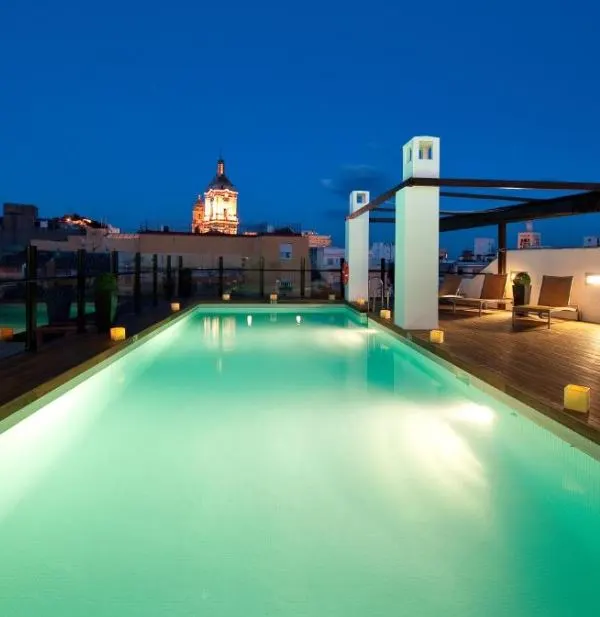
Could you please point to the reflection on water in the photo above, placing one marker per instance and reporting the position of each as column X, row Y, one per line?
column 219, row 332
column 291, row 468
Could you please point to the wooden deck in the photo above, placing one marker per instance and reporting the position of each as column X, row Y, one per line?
column 531, row 363
column 57, row 361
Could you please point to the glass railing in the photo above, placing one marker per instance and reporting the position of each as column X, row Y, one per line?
column 63, row 290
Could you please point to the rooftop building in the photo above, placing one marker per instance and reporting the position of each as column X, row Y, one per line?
column 216, row 210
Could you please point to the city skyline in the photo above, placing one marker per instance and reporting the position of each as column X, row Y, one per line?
column 125, row 130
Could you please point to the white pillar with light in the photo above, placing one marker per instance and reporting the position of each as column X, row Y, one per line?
column 417, row 238
column 357, row 249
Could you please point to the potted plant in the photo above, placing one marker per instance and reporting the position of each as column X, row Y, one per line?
column 58, row 297
column 105, row 301
column 521, row 289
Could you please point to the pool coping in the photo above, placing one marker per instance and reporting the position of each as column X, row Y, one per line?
column 562, row 424
column 29, row 402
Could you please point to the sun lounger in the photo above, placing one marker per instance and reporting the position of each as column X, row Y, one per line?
column 492, row 292
column 450, row 286
column 555, row 297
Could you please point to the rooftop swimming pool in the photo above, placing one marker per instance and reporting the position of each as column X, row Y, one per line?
column 290, row 461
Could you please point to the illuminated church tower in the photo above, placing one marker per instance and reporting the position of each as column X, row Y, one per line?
column 217, row 212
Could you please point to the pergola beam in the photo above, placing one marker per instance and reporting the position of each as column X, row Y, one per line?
column 545, row 185
column 540, row 185
column 567, row 205
column 484, row 196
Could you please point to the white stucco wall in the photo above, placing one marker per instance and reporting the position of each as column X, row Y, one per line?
column 417, row 238
column 575, row 262
column 357, row 248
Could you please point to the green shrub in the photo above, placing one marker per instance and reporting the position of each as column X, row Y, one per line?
column 523, row 279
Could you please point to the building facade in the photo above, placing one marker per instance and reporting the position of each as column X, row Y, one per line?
column 216, row 210
column 379, row 251
column 316, row 240
column 20, row 224
column 484, row 248
column 591, row 241
column 281, row 257
column 529, row 239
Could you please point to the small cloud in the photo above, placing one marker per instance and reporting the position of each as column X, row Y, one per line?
column 356, row 177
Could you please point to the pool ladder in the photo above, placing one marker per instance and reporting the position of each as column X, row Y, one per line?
column 377, row 291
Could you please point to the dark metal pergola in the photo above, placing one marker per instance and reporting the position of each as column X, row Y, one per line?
column 524, row 209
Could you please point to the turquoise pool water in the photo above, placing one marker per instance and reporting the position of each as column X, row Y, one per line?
column 263, row 467
column 13, row 315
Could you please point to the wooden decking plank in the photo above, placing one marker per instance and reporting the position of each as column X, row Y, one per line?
column 532, row 359
column 27, row 371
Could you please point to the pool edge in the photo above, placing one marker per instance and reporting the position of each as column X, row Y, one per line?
column 21, row 407
column 561, row 424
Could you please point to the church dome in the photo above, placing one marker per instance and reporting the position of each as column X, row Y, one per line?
column 220, row 181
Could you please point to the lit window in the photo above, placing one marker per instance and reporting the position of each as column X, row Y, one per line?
column 285, row 251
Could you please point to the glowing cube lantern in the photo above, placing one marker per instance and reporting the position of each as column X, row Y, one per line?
column 331, row 297
column 385, row 314
column 436, row 336
column 577, row 398
column 361, row 301
column 175, row 306
column 6, row 334
column 226, row 297
column 273, row 298
column 118, row 333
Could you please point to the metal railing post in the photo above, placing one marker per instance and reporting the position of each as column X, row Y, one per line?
column 114, row 262
column 155, row 280
column 221, row 286
column 179, row 274
column 169, row 280
column 81, row 291
column 31, row 298
column 261, row 277
column 302, row 277
column 137, row 284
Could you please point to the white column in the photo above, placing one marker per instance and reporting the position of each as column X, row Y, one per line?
column 357, row 249
column 417, row 239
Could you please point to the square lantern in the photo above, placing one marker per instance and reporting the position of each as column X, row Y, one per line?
column 118, row 333
column 436, row 336
column 6, row 334
column 577, row 398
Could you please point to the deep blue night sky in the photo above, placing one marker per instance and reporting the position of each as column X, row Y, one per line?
column 119, row 110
